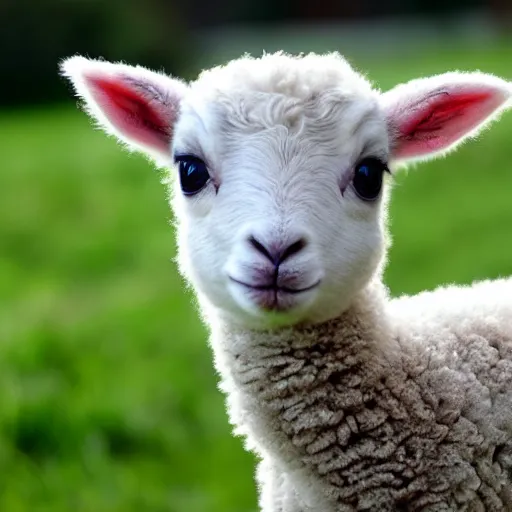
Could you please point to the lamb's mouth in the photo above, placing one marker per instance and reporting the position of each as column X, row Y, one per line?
column 275, row 298
column 275, row 288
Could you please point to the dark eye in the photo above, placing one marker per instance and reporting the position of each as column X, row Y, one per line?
column 193, row 174
column 367, row 179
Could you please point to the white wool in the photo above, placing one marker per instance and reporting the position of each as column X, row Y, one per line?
column 352, row 400
column 279, row 73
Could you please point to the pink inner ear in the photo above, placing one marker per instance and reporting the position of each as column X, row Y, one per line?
column 436, row 124
column 131, row 113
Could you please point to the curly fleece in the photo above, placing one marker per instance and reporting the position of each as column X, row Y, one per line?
column 384, row 408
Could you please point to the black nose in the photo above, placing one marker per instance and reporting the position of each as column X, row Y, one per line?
column 278, row 252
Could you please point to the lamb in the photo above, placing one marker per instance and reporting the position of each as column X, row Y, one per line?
column 279, row 170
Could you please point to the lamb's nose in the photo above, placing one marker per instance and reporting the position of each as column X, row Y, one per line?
column 277, row 252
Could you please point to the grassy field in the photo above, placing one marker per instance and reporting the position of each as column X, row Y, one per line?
column 108, row 400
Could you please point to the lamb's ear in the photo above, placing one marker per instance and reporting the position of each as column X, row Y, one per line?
column 138, row 106
column 429, row 116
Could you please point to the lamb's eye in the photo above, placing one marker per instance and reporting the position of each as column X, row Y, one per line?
column 193, row 174
column 367, row 179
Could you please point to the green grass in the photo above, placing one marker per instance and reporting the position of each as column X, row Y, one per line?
column 108, row 399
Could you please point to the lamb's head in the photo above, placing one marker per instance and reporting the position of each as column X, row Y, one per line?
column 280, row 168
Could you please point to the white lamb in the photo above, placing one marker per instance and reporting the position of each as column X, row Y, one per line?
column 353, row 401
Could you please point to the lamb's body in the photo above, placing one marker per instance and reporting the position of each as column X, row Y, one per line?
column 345, row 422
column 354, row 401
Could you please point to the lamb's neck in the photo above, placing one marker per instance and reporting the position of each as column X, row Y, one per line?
column 342, row 399
column 262, row 364
column 289, row 389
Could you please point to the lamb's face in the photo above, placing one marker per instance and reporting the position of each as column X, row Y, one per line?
column 278, row 167
column 280, row 201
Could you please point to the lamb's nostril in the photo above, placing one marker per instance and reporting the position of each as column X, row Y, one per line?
column 261, row 248
column 278, row 252
column 293, row 249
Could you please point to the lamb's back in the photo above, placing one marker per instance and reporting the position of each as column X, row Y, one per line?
column 457, row 345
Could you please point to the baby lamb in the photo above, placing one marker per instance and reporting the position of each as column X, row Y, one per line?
column 279, row 171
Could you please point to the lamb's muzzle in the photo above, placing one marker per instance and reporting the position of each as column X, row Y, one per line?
column 274, row 273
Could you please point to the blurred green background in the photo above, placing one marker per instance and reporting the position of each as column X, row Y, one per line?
column 108, row 399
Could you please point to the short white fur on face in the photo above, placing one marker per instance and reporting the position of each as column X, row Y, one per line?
column 281, row 138
column 278, row 168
